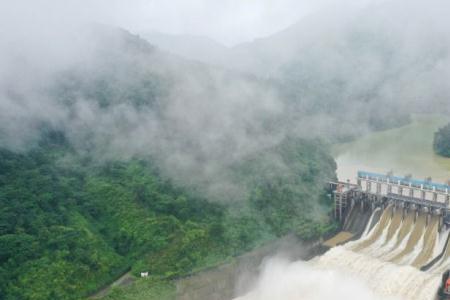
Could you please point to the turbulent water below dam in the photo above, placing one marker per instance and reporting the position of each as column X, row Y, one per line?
column 384, row 263
column 389, row 256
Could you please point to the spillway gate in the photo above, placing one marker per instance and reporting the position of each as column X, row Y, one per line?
column 375, row 190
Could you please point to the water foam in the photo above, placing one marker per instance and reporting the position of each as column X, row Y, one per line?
column 383, row 264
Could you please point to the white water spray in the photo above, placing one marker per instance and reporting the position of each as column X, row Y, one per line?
column 383, row 264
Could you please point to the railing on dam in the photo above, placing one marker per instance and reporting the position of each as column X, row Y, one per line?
column 405, row 181
column 379, row 189
column 417, row 202
column 423, row 190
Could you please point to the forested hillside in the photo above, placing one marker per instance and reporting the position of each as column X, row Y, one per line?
column 139, row 160
column 70, row 225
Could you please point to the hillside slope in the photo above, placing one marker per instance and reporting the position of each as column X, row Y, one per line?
column 138, row 159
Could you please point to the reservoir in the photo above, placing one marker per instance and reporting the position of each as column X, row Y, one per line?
column 404, row 150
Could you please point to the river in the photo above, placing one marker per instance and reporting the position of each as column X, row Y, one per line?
column 404, row 150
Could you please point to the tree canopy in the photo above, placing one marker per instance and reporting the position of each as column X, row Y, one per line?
column 69, row 224
column 442, row 141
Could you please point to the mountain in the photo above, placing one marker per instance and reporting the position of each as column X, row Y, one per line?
column 364, row 61
column 120, row 156
column 125, row 157
column 192, row 47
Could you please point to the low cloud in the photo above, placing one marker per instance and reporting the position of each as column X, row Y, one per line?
column 287, row 280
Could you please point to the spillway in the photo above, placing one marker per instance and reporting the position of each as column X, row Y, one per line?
column 394, row 238
column 413, row 240
column 377, row 232
column 393, row 246
column 394, row 225
column 399, row 254
column 389, row 257
column 429, row 243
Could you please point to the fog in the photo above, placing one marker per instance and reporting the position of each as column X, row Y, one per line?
column 372, row 62
column 381, row 51
column 193, row 118
column 303, row 69
column 283, row 279
column 229, row 22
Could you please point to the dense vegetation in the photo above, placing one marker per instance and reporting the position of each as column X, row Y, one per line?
column 69, row 225
column 144, row 288
column 140, row 161
column 442, row 141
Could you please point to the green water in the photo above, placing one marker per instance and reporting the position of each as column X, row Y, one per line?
column 404, row 150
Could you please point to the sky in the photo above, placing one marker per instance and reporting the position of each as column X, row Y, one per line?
column 229, row 22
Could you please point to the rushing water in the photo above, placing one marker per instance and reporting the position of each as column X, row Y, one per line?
column 385, row 262
column 405, row 150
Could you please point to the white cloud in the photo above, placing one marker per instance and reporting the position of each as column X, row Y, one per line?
column 228, row 21
column 281, row 279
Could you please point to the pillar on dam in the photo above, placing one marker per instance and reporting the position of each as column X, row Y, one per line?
column 335, row 204
column 428, row 216
column 340, row 204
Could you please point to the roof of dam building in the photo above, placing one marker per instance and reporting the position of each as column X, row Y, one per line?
column 405, row 180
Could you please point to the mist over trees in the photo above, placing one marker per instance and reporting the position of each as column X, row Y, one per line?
column 131, row 158
column 373, row 64
column 116, row 155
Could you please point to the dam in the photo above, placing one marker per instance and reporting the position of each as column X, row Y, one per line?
column 393, row 244
column 394, row 234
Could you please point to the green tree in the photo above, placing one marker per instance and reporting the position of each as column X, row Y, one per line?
column 441, row 142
